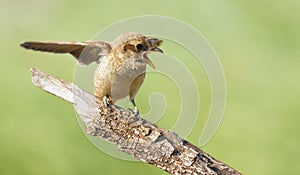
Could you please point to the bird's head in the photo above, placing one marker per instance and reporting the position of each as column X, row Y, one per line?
column 135, row 44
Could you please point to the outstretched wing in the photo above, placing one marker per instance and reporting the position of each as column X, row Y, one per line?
column 84, row 52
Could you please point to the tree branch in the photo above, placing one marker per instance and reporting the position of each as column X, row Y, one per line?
column 137, row 137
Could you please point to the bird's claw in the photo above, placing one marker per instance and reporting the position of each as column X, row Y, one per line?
column 106, row 101
column 135, row 117
column 136, row 111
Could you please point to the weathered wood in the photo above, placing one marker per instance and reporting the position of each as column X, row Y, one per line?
column 133, row 135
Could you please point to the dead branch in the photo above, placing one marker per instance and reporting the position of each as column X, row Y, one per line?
column 137, row 137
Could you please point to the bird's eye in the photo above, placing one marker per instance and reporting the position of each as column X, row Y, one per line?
column 139, row 47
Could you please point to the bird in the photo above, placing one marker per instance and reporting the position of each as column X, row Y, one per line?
column 121, row 63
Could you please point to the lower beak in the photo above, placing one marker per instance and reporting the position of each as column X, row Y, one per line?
column 148, row 61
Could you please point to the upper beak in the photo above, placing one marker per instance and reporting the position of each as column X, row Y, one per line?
column 156, row 49
column 154, row 43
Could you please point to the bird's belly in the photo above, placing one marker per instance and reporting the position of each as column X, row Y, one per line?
column 123, row 79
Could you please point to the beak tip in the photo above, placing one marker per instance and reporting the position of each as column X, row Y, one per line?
column 156, row 49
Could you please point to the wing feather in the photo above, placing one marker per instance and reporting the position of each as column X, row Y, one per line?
column 84, row 52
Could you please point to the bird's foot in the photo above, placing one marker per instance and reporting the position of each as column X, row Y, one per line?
column 135, row 117
column 136, row 111
column 106, row 101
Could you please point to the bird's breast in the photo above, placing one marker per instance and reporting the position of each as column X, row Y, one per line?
column 114, row 76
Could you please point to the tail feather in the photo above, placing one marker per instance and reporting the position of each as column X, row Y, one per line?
column 55, row 47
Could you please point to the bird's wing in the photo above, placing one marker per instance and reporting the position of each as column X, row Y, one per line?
column 84, row 52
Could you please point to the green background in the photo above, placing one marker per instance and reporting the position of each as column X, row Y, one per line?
column 258, row 43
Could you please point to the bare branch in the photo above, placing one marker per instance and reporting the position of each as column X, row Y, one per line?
column 137, row 137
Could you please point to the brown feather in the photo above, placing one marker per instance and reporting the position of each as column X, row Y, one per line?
column 84, row 52
column 135, row 85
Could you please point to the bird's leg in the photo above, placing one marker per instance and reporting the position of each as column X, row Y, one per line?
column 136, row 110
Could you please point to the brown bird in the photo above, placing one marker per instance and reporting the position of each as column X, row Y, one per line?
column 122, row 63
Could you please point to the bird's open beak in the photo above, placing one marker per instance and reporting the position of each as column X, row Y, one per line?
column 154, row 43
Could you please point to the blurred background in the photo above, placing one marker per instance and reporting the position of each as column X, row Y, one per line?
column 258, row 43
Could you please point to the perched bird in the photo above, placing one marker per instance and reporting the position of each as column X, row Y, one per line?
column 121, row 64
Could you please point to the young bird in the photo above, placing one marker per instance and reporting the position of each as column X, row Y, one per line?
column 121, row 64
